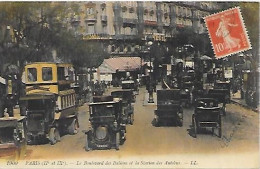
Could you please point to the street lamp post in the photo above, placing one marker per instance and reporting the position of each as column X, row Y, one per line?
column 141, row 62
column 150, row 89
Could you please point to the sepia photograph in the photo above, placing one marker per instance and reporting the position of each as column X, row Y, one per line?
column 129, row 84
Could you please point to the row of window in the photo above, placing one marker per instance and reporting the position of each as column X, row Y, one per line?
column 166, row 8
column 94, row 27
column 130, row 15
column 181, row 21
column 150, row 17
column 129, row 3
column 130, row 10
column 67, row 101
column 122, row 48
column 91, row 29
column 131, row 6
column 128, row 30
column 183, row 11
column 47, row 74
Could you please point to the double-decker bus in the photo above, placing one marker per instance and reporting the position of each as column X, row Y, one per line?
column 50, row 101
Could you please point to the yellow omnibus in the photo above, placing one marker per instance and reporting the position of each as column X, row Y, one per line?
column 50, row 101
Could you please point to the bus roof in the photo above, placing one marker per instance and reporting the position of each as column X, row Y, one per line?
column 51, row 63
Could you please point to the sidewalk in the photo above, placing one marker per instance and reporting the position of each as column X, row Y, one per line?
column 236, row 98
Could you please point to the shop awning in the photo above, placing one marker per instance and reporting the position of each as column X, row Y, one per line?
column 112, row 65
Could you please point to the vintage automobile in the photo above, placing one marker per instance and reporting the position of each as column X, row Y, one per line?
column 224, row 85
column 168, row 107
column 128, row 98
column 207, row 114
column 12, row 138
column 50, row 101
column 107, row 128
column 221, row 95
column 186, row 90
column 130, row 84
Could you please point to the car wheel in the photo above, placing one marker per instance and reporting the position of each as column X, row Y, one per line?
column 194, row 126
column 220, row 128
column 224, row 110
column 181, row 119
column 73, row 127
column 117, row 140
column 157, row 122
column 57, row 134
column 132, row 119
column 87, row 144
column 52, row 137
column 181, row 122
column 23, row 149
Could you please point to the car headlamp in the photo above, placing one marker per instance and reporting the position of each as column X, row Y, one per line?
column 101, row 133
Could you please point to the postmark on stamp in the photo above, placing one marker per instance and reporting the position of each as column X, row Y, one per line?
column 227, row 32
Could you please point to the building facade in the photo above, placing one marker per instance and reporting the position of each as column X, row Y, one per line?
column 123, row 26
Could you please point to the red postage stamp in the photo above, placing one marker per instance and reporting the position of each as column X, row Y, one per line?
column 227, row 32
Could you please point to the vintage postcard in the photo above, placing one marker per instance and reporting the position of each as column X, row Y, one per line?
column 129, row 84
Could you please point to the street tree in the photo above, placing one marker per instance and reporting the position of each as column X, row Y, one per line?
column 39, row 28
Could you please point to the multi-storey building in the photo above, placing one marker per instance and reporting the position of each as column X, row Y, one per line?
column 123, row 26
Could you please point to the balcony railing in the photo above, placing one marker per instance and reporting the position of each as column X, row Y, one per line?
column 150, row 22
column 129, row 21
column 90, row 36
